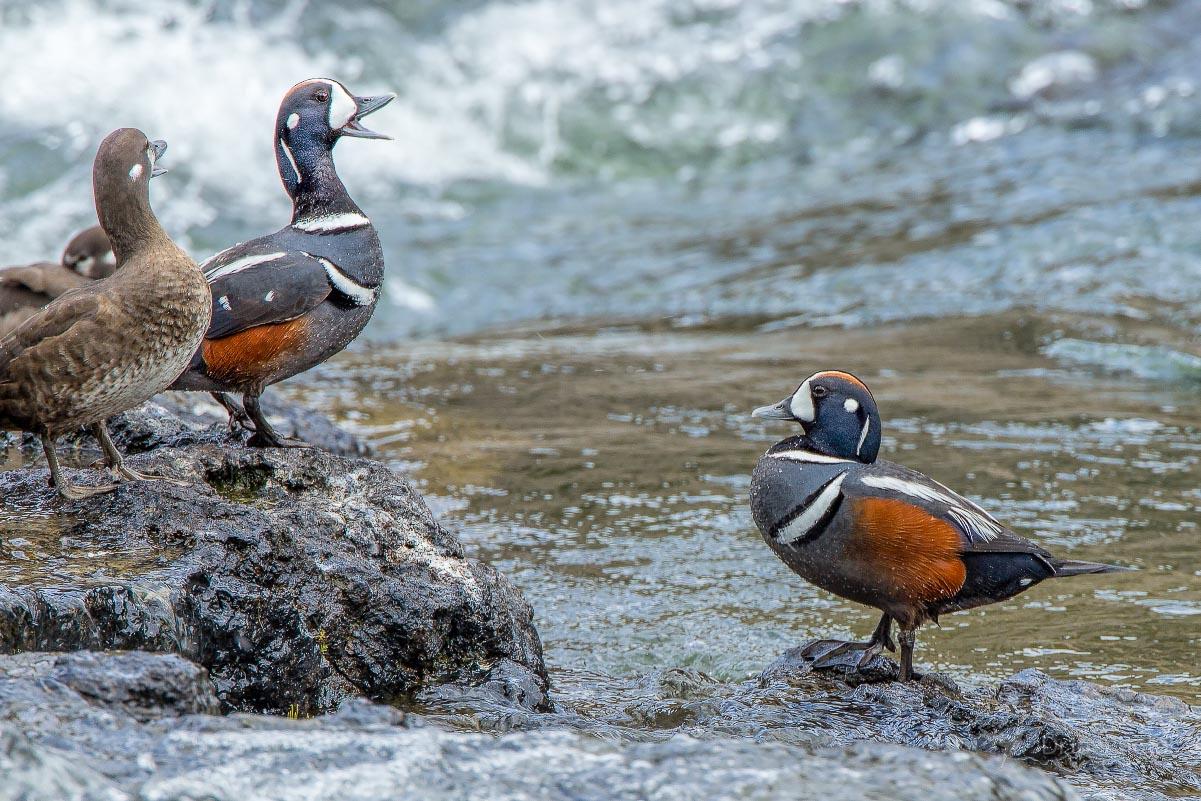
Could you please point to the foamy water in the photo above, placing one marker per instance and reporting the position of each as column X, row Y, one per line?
column 808, row 161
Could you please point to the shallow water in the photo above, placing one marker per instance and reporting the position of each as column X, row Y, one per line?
column 608, row 473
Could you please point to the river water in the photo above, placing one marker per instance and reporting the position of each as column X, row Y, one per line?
column 613, row 227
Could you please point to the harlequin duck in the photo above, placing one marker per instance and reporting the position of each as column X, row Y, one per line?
column 879, row 533
column 112, row 344
column 288, row 301
column 27, row 288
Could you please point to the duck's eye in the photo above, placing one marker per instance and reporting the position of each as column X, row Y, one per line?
column 321, row 96
column 819, row 391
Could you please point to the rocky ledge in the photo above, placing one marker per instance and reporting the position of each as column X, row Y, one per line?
column 297, row 578
column 117, row 727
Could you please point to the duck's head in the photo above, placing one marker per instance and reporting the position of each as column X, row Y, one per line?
column 313, row 116
column 125, row 163
column 90, row 254
column 837, row 412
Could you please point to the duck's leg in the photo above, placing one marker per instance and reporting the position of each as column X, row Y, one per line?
column 908, row 640
column 838, row 653
column 117, row 463
column 265, row 436
column 237, row 415
column 65, row 489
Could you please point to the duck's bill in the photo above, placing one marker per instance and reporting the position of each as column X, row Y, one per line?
column 776, row 411
column 159, row 147
column 366, row 105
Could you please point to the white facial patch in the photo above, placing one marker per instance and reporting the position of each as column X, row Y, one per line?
column 342, row 107
column 293, row 121
column 807, row 520
column 135, row 172
column 801, row 404
column 851, row 405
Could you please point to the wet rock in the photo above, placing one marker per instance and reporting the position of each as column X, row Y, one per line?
column 177, row 419
column 93, row 748
column 35, row 773
column 296, row 577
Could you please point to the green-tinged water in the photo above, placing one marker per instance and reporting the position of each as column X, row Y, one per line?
column 608, row 474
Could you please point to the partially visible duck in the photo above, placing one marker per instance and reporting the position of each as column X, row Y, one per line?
column 288, row 301
column 113, row 343
column 25, row 289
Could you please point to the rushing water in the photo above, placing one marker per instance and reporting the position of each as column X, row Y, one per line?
column 614, row 226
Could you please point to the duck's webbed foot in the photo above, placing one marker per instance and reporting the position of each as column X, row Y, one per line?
column 823, row 654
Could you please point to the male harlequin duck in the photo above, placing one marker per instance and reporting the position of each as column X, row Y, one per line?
column 879, row 533
column 29, row 287
column 112, row 344
column 288, row 301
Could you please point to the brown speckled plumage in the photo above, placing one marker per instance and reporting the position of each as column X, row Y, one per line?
column 108, row 346
column 26, row 288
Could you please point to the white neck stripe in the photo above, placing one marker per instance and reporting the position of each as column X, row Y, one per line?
column 291, row 160
column 809, row 456
column 332, row 222
column 867, row 424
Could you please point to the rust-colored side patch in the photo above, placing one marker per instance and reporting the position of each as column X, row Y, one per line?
column 907, row 551
column 253, row 354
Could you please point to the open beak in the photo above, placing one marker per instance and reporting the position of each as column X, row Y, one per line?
column 366, row 105
column 776, row 411
column 160, row 147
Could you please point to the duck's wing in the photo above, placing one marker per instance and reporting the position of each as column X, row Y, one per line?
column 39, row 340
column 42, row 278
column 254, row 287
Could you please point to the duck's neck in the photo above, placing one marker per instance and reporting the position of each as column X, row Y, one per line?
column 311, row 180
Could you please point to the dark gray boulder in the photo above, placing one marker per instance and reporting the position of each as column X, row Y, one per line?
column 296, row 577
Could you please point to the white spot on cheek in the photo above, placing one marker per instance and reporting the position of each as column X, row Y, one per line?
column 135, row 172
column 341, row 106
column 293, row 120
column 851, row 405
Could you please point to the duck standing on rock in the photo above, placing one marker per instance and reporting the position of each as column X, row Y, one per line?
column 879, row 533
column 25, row 289
column 112, row 344
column 286, row 302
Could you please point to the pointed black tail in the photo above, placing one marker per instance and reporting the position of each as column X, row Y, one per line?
column 1070, row 567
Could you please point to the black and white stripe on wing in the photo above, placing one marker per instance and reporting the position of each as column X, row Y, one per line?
column 975, row 523
column 809, row 519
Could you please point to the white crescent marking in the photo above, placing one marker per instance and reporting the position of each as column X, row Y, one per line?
column 867, row 424
column 813, row 514
column 801, row 404
column 342, row 107
column 361, row 295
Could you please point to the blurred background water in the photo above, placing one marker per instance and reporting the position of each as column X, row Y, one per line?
column 613, row 226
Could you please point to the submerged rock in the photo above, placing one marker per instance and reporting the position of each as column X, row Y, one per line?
column 88, row 747
column 296, row 577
